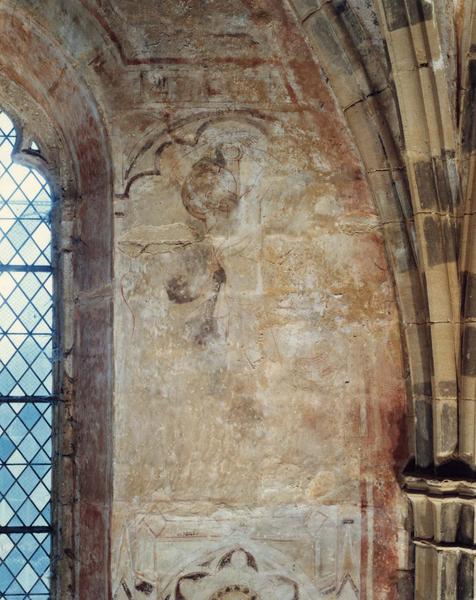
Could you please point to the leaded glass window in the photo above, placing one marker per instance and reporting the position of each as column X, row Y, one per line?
column 26, row 376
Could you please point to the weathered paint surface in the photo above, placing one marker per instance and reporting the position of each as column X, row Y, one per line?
column 259, row 403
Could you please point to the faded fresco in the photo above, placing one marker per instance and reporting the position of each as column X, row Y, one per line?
column 242, row 555
column 244, row 305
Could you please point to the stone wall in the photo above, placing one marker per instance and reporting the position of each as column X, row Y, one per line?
column 258, row 424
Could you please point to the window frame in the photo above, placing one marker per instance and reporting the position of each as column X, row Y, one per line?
column 57, row 107
column 46, row 162
column 35, row 160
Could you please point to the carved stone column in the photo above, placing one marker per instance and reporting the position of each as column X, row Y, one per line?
column 444, row 537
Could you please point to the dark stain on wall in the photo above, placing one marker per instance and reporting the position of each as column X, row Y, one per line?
column 419, row 10
column 468, row 129
column 469, row 295
column 449, row 421
column 465, row 530
column 426, row 185
column 465, row 578
column 468, row 359
column 178, row 290
column 447, row 389
column 443, row 183
column 145, row 588
column 433, row 238
column 402, row 13
column 424, row 441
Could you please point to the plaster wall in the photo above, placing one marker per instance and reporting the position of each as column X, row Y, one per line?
column 258, row 369
column 259, row 402
column 259, row 405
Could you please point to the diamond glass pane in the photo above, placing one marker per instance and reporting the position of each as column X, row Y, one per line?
column 25, row 473
column 26, row 313
column 25, row 561
column 26, row 386
column 25, row 205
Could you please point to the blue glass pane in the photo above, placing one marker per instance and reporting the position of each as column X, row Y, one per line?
column 24, row 241
column 25, row 464
column 26, row 321
column 23, row 193
column 25, row 565
column 26, row 357
column 26, row 365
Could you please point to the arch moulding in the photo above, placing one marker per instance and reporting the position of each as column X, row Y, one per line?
column 43, row 92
